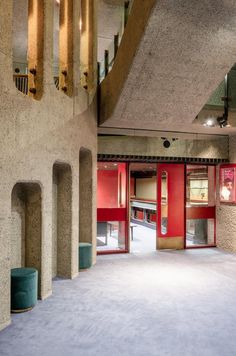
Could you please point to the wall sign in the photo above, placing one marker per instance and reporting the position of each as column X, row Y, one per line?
column 227, row 184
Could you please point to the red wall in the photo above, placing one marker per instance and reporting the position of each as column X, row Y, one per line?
column 139, row 215
column 153, row 217
column 122, row 184
column 107, row 189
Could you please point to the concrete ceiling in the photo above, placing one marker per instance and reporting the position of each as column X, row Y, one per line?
column 185, row 52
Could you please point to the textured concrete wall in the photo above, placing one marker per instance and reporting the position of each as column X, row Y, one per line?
column 17, row 254
column 226, row 214
column 63, row 220
column 148, row 146
column 33, row 229
column 34, row 135
column 87, row 184
column 226, row 227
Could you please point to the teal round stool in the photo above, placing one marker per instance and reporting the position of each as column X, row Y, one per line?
column 24, row 289
column 85, row 255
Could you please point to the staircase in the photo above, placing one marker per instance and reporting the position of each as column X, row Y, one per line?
column 172, row 57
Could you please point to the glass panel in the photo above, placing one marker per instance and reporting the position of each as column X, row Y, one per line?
column 143, row 206
column 200, row 232
column 143, row 193
column 111, row 196
column 111, row 235
column 107, row 185
column 200, row 189
column 164, row 202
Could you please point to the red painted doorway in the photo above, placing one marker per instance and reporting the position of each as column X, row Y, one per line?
column 143, row 207
column 171, row 206
column 112, row 211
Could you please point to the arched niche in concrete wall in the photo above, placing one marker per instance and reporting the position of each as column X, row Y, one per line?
column 62, row 220
column 26, row 226
column 85, row 195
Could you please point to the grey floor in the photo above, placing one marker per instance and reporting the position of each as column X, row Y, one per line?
column 160, row 303
column 144, row 239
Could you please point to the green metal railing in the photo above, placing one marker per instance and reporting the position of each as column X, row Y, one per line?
column 218, row 98
column 110, row 53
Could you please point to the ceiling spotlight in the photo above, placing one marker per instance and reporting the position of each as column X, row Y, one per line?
column 166, row 142
column 210, row 122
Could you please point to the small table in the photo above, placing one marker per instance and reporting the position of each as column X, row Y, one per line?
column 112, row 225
column 132, row 230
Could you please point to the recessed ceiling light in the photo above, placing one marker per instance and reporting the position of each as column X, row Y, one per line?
column 210, row 122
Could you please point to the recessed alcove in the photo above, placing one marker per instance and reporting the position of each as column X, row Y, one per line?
column 85, row 195
column 26, row 226
column 62, row 220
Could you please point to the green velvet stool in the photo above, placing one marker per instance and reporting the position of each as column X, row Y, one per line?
column 24, row 289
column 85, row 255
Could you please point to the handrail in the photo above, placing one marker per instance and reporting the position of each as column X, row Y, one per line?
column 21, row 82
column 56, row 82
column 20, row 75
column 117, row 38
column 111, row 87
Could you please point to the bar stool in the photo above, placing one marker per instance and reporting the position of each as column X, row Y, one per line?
column 24, row 289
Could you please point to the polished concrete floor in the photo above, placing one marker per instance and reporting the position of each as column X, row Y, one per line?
column 160, row 303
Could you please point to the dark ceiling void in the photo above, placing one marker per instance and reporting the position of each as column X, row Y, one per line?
column 158, row 159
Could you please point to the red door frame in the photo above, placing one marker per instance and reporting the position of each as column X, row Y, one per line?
column 210, row 210
column 125, row 212
column 175, row 187
column 118, row 214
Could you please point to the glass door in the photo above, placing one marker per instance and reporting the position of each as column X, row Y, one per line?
column 200, row 206
column 143, row 206
column 112, row 212
column 170, row 206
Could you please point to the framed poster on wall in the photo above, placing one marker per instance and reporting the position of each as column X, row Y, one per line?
column 227, row 184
